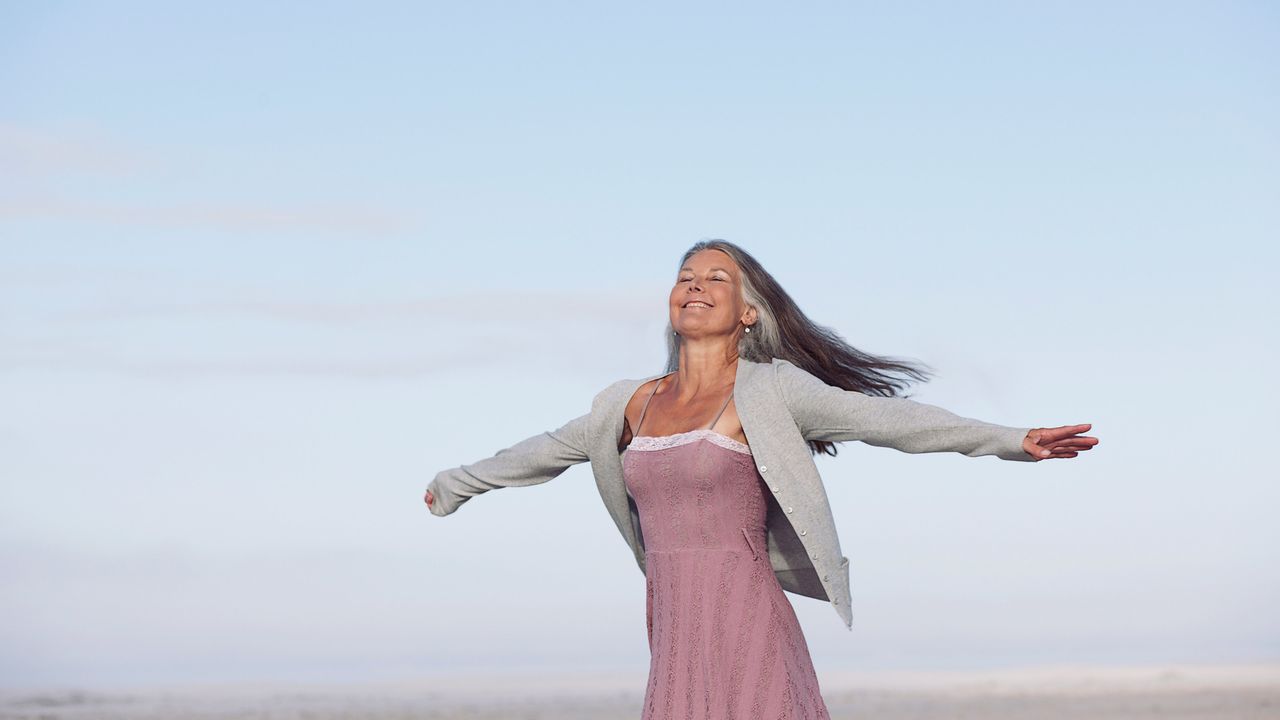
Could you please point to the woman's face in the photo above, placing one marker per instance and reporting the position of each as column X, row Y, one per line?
column 707, row 296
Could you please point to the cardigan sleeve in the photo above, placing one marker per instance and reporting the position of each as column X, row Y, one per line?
column 829, row 413
column 531, row 461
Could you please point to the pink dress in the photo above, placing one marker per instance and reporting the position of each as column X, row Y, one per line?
column 724, row 641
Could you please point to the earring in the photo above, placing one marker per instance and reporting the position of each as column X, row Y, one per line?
column 748, row 329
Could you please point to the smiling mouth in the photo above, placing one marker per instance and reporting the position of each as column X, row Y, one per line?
column 698, row 304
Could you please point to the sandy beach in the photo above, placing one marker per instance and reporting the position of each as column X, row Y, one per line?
column 1219, row 692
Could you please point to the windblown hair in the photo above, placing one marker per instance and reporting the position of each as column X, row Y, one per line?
column 782, row 331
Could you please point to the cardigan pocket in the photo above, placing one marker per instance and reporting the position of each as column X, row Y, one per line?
column 754, row 554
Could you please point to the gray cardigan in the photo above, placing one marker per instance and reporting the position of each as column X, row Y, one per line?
column 781, row 406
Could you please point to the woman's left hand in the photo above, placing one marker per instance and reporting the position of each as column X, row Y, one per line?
column 1059, row 442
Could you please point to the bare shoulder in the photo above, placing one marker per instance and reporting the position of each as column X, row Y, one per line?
column 635, row 404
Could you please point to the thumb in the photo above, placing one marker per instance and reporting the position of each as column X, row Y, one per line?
column 1033, row 437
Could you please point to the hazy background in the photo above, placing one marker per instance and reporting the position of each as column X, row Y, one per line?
column 266, row 270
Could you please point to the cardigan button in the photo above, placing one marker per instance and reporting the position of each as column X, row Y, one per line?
column 763, row 468
column 788, row 508
column 814, row 556
column 825, row 578
column 775, row 488
column 802, row 532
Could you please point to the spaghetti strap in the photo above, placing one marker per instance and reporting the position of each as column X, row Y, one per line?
column 722, row 407
column 646, row 405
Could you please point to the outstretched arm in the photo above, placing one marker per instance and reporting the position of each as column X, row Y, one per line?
column 531, row 461
column 829, row 413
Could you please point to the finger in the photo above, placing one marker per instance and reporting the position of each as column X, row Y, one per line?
column 1065, row 431
column 1078, row 440
column 1071, row 444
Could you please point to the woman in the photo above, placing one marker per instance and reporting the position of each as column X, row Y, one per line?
column 719, row 498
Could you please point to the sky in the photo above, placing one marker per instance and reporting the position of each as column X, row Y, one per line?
column 265, row 269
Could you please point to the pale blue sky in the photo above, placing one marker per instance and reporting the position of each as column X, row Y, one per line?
column 266, row 270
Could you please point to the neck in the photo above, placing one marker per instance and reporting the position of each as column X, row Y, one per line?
column 703, row 372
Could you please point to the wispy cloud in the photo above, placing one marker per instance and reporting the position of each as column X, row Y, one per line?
column 515, row 309
column 236, row 218
column 397, row 339
column 34, row 161
column 372, row 368
column 28, row 151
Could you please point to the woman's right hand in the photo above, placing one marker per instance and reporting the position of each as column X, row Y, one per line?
column 430, row 498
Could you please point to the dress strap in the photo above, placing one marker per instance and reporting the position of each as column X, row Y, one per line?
column 722, row 407
column 646, row 405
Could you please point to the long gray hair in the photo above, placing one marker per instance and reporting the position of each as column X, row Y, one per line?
column 782, row 331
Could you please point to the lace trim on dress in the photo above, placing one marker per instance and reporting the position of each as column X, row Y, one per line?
column 661, row 442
